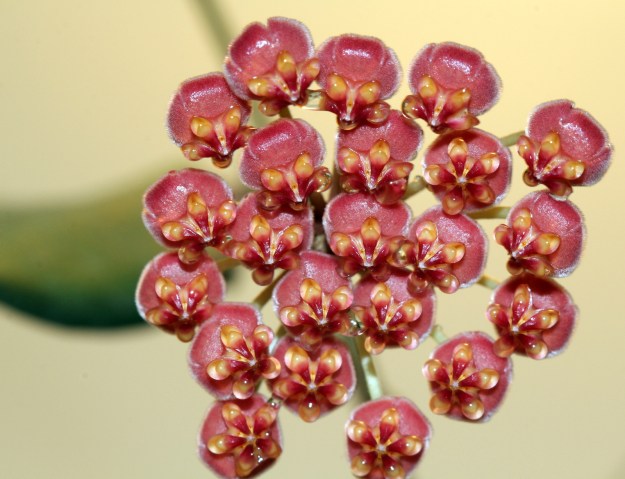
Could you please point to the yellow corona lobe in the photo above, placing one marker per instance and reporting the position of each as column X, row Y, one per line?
column 427, row 87
column 202, row 127
column 337, row 87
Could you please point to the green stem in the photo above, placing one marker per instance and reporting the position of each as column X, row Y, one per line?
column 265, row 295
column 496, row 212
column 285, row 113
column 488, row 282
column 438, row 334
column 511, row 139
column 373, row 389
column 224, row 264
column 416, row 185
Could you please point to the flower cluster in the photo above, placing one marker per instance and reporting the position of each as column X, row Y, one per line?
column 350, row 270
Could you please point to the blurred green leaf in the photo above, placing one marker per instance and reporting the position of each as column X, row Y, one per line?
column 76, row 265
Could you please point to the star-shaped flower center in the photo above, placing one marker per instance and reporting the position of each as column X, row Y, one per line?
column 268, row 249
column 388, row 321
column 431, row 259
column 182, row 307
column 247, row 438
column 319, row 314
column 528, row 246
column 311, row 382
column 463, row 177
column 245, row 360
column 459, row 383
column 200, row 227
column 521, row 326
column 548, row 164
column 382, row 446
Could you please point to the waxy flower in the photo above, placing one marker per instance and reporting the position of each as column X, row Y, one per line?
column 313, row 383
column 467, row 170
column 356, row 74
column 533, row 316
column 451, row 84
column 390, row 315
column 177, row 297
column 207, row 120
column 273, row 64
column 313, row 300
column 543, row 235
column 564, row 147
column 189, row 210
column 445, row 251
column 266, row 243
column 284, row 160
column 230, row 354
column 364, row 233
column 467, row 379
column 376, row 159
column 386, row 438
column 240, row 439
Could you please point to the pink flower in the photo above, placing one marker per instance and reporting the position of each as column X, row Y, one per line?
column 357, row 72
column 451, row 85
column 177, row 297
column 189, row 209
column 543, row 235
column 468, row 380
column 230, row 354
column 390, row 315
column 284, row 160
column 386, row 438
column 240, row 439
column 272, row 63
column 314, row 383
column 564, row 147
column 443, row 250
column 264, row 243
column 364, row 233
column 533, row 316
column 207, row 120
column 312, row 301
column 376, row 159
column 467, row 170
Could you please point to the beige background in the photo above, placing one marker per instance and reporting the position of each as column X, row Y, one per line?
column 83, row 94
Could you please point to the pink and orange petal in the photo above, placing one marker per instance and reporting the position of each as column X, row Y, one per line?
column 468, row 380
column 313, row 383
column 240, row 439
column 386, row 438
